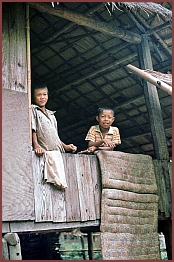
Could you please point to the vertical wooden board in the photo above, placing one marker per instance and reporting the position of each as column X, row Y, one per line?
column 15, row 67
column 5, row 252
column 21, row 65
column 71, row 192
column 15, row 252
column 42, row 192
column 5, row 48
column 96, row 182
column 17, row 182
column 58, row 204
column 85, row 188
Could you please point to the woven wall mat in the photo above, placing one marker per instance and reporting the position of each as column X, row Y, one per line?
column 129, row 207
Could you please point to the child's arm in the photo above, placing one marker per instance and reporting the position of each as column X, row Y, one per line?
column 38, row 150
column 103, row 144
column 69, row 147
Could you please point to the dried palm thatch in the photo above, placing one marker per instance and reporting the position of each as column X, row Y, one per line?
column 147, row 7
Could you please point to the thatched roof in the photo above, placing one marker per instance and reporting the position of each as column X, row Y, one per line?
column 82, row 57
column 147, row 7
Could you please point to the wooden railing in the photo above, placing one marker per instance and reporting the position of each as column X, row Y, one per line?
column 80, row 201
column 76, row 206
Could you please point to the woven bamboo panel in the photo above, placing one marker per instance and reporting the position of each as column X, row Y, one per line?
column 129, row 207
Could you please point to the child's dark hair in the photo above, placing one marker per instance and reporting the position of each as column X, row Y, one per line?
column 101, row 109
column 37, row 86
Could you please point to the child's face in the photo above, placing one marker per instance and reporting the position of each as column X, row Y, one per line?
column 105, row 119
column 41, row 97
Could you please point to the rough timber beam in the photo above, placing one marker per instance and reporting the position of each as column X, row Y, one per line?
column 50, row 39
column 87, row 21
column 156, row 36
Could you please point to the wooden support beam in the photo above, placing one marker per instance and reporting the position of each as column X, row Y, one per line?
column 156, row 36
column 153, row 105
column 159, row 27
column 64, row 29
column 163, row 180
column 158, row 134
column 31, row 226
column 155, row 81
column 87, row 21
column 141, row 27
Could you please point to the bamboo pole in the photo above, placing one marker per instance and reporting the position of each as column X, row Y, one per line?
column 155, row 81
column 28, row 65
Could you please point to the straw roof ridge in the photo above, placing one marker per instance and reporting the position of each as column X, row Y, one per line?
column 147, row 7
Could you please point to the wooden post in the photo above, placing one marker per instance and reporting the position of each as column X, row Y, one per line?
column 14, row 246
column 90, row 246
column 5, row 253
column 153, row 106
column 28, row 65
column 157, row 131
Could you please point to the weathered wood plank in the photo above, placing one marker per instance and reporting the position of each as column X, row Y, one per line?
column 71, row 192
column 163, row 180
column 42, row 193
column 5, row 227
column 5, row 253
column 14, row 47
column 96, row 182
column 15, row 252
column 77, row 201
column 31, row 226
column 16, row 158
column 85, row 188
column 153, row 105
column 58, row 204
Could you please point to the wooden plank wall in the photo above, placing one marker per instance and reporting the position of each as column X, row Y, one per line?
column 17, row 184
column 14, row 64
column 80, row 201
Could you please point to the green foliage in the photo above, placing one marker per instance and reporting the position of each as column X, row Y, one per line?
column 98, row 256
column 74, row 243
